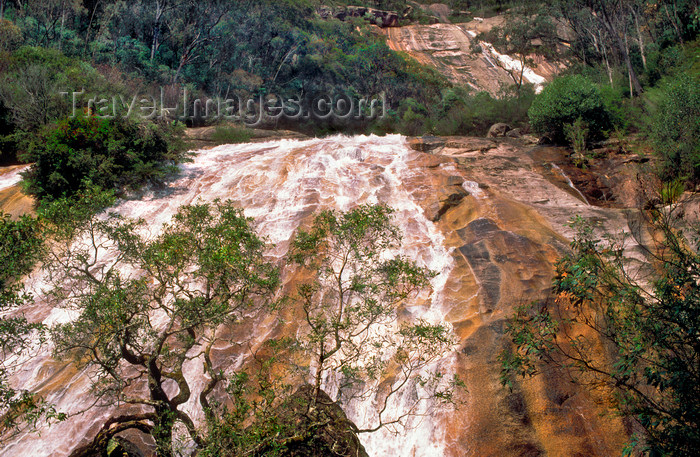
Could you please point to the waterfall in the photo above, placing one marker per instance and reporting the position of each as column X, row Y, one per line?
column 280, row 184
column 569, row 182
column 11, row 176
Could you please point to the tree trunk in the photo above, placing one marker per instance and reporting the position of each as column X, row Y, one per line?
column 640, row 39
column 319, row 374
column 89, row 26
column 160, row 9
column 607, row 66
column 623, row 48
column 165, row 417
column 2, row 9
column 604, row 50
column 627, row 49
column 63, row 25
column 673, row 23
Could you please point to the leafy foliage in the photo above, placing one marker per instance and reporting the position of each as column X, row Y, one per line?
column 112, row 154
column 525, row 33
column 350, row 308
column 638, row 341
column 156, row 303
column 676, row 130
column 565, row 100
column 576, row 134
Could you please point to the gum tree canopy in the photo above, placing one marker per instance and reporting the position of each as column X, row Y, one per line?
column 147, row 304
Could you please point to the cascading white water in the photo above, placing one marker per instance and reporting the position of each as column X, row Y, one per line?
column 278, row 184
column 569, row 182
column 11, row 176
column 511, row 64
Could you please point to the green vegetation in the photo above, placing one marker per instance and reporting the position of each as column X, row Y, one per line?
column 112, row 154
column 20, row 248
column 650, row 333
column 206, row 272
column 526, row 33
column 676, row 130
column 566, row 100
column 576, row 134
column 353, row 296
column 227, row 134
column 247, row 49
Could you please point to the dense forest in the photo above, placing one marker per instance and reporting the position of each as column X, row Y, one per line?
column 628, row 68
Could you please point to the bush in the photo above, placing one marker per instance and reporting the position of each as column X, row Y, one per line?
column 10, row 35
column 112, row 154
column 676, row 130
column 565, row 100
column 576, row 134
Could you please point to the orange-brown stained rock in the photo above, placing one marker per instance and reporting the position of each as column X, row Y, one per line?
column 14, row 202
column 504, row 220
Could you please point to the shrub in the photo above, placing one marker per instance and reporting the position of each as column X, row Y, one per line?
column 10, row 35
column 576, row 134
column 565, row 100
column 676, row 130
column 113, row 154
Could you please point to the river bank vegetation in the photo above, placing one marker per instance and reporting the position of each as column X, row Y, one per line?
column 627, row 67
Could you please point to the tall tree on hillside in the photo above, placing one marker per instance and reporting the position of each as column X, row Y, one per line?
column 613, row 18
column 52, row 18
column 192, row 28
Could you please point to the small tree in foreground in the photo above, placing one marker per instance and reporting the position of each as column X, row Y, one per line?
column 148, row 304
column 350, row 311
column 348, row 344
column 607, row 330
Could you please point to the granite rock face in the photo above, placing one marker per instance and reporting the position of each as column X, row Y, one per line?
column 489, row 215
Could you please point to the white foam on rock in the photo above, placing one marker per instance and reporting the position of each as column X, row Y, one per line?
column 279, row 184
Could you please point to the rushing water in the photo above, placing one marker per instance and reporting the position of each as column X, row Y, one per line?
column 11, row 176
column 569, row 182
column 280, row 184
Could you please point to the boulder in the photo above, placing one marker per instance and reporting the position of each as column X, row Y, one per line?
column 545, row 139
column 498, row 130
column 336, row 438
column 426, row 144
column 515, row 133
column 440, row 10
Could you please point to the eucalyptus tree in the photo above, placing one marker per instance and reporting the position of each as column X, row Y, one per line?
column 525, row 33
column 349, row 285
column 350, row 326
column 148, row 304
column 632, row 337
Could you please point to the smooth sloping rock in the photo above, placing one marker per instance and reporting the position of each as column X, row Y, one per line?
column 426, row 144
